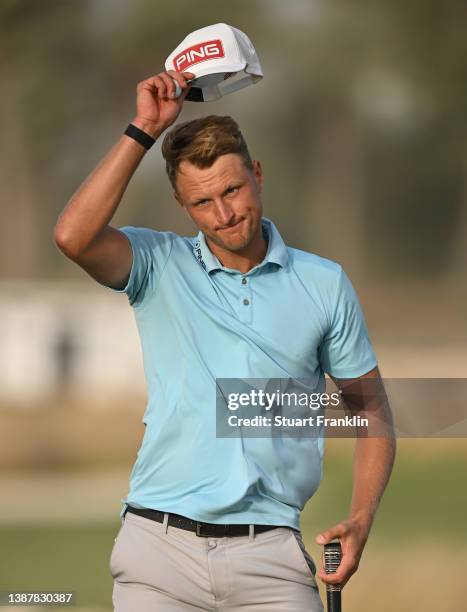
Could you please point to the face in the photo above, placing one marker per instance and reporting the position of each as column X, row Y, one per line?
column 223, row 200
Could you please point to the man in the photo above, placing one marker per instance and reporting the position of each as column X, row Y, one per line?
column 211, row 522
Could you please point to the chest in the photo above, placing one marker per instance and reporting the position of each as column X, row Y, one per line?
column 270, row 314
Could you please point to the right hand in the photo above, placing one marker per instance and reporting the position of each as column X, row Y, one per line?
column 156, row 109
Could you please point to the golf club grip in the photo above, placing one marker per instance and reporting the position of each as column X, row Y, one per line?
column 332, row 559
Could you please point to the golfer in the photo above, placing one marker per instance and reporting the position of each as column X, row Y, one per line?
column 213, row 523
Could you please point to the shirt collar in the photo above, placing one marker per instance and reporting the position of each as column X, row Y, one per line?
column 276, row 252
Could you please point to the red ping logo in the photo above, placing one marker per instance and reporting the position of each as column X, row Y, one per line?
column 201, row 52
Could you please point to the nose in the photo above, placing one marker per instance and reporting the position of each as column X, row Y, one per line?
column 224, row 212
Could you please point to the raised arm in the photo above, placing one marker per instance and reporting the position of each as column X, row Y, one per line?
column 82, row 231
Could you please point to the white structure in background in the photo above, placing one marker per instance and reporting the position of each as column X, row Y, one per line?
column 60, row 336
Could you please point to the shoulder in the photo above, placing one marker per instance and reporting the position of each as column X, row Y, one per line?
column 320, row 271
column 147, row 234
column 160, row 248
column 151, row 239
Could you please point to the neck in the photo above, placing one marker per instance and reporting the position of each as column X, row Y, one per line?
column 244, row 259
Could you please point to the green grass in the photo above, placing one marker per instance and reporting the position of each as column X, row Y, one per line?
column 66, row 557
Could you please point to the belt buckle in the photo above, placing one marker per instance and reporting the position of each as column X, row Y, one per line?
column 199, row 526
column 199, row 532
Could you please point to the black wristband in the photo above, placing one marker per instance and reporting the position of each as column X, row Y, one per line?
column 144, row 139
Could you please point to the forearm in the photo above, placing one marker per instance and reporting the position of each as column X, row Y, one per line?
column 94, row 204
column 374, row 454
column 372, row 466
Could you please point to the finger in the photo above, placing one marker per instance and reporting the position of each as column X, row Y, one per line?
column 347, row 567
column 181, row 77
column 154, row 84
column 330, row 582
column 181, row 85
column 176, row 85
column 169, row 85
column 330, row 534
column 178, row 81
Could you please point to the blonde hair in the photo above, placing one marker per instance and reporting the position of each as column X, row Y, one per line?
column 201, row 141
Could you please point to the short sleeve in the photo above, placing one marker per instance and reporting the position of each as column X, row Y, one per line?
column 151, row 251
column 346, row 351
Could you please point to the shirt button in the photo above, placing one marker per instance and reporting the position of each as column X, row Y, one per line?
column 244, row 281
column 246, row 302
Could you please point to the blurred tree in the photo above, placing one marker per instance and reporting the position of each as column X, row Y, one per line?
column 417, row 170
column 383, row 175
column 43, row 84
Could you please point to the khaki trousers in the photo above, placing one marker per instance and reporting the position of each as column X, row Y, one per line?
column 157, row 567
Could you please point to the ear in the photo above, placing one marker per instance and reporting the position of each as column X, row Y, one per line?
column 258, row 172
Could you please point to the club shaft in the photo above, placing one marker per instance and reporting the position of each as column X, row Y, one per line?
column 334, row 601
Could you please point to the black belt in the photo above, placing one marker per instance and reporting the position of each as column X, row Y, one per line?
column 206, row 530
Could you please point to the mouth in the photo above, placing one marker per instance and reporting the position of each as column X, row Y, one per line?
column 230, row 227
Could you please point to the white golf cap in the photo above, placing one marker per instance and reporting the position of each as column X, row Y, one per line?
column 221, row 57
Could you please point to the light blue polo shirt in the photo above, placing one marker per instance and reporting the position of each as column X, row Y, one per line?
column 294, row 315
